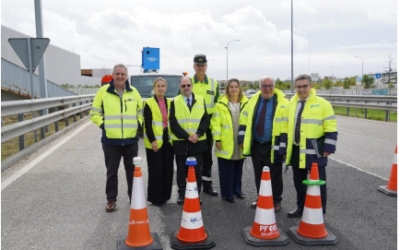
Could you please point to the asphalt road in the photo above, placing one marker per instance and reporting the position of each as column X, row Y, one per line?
column 59, row 203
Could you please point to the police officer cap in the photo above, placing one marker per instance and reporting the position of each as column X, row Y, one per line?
column 200, row 59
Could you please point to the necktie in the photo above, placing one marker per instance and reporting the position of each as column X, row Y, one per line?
column 261, row 120
column 188, row 104
column 298, row 122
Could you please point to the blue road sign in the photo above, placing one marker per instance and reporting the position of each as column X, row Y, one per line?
column 377, row 76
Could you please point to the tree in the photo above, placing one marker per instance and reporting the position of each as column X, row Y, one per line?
column 278, row 83
column 316, row 85
column 367, row 81
column 346, row 83
column 327, row 83
column 353, row 81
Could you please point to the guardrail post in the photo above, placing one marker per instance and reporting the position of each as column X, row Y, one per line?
column 81, row 113
column 22, row 137
column 55, row 109
column 348, row 111
column 365, row 113
column 66, row 121
column 387, row 116
column 73, row 105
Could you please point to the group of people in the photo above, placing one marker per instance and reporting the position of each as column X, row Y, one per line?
column 268, row 127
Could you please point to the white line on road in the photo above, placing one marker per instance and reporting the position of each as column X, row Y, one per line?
column 359, row 169
column 33, row 163
column 349, row 130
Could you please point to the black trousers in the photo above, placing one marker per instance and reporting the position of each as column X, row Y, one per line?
column 208, row 161
column 182, row 172
column 112, row 156
column 160, row 167
column 230, row 177
column 301, row 174
column 261, row 157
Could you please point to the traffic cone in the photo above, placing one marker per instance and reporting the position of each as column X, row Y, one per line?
column 139, row 230
column 265, row 232
column 192, row 234
column 391, row 188
column 312, row 227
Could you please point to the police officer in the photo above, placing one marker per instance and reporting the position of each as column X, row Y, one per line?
column 207, row 88
column 117, row 110
column 260, row 130
column 309, row 128
column 189, row 122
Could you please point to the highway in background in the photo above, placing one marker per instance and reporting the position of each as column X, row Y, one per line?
column 59, row 203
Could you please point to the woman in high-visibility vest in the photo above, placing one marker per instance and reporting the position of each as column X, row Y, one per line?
column 225, row 128
column 157, row 140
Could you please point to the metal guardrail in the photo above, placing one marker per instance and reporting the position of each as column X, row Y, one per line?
column 79, row 103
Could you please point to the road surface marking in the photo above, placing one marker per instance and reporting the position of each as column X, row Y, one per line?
column 359, row 169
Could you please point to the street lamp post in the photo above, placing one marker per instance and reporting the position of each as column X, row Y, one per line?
column 235, row 40
column 362, row 66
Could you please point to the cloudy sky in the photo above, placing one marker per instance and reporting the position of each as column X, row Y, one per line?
column 330, row 33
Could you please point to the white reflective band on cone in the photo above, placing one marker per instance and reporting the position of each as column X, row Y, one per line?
column 138, row 197
column 265, row 216
column 191, row 190
column 312, row 216
column 395, row 159
column 314, row 190
column 265, row 188
column 191, row 220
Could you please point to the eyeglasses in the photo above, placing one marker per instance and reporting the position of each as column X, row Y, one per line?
column 186, row 86
column 302, row 87
column 267, row 86
column 120, row 74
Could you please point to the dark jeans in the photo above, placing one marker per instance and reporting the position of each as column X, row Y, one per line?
column 112, row 156
column 160, row 166
column 301, row 174
column 182, row 172
column 261, row 157
column 230, row 177
column 207, row 161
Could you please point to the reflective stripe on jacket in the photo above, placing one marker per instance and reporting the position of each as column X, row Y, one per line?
column 247, row 119
column 189, row 120
column 157, row 123
column 207, row 91
column 222, row 127
column 119, row 118
column 318, row 132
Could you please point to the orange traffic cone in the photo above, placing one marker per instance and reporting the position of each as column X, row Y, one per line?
column 192, row 232
column 265, row 232
column 139, row 230
column 391, row 188
column 312, row 227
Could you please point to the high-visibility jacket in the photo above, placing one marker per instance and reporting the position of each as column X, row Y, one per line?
column 222, row 127
column 208, row 90
column 318, row 132
column 157, row 123
column 189, row 120
column 247, row 119
column 118, row 118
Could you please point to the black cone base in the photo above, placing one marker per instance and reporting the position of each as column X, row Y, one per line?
column 249, row 239
column 330, row 239
column 387, row 191
column 155, row 245
column 179, row 245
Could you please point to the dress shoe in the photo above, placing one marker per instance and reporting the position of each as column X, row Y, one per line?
column 277, row 207
column 231, row 200
column 240, row 196
column 254, row 204
column 210, row 191
column 295, row 213
column 110, row 206
column 180, row 200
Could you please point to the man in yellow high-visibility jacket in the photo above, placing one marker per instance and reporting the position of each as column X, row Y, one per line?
column 189, row 122
column 260, row 132
column 207, row 88
column 117, row 110
column 309, row 133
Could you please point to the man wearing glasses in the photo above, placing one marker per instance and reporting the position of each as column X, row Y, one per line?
column 117, row 109
column 310, row 134
column 259, row 135
column 189, row 122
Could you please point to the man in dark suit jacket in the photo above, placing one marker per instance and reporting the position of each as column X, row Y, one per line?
column 189, row 122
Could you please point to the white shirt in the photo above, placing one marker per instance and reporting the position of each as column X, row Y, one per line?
column 190, row 99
